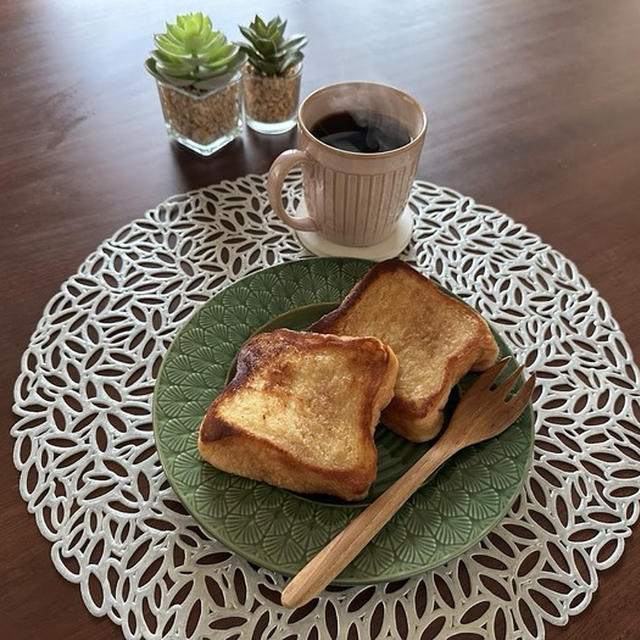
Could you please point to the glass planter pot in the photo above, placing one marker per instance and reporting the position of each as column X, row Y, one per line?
column 203, row 120
column 271, row 102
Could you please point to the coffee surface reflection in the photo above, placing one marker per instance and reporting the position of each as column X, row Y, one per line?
column 361, row 132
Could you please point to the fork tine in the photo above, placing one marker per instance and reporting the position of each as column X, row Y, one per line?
column 522, row 396
column 503, row 388
column 487, row 378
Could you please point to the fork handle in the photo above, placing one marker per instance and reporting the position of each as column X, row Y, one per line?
column 329, row 562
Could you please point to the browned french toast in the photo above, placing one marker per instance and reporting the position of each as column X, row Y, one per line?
column 301, row 411
column 436, row 338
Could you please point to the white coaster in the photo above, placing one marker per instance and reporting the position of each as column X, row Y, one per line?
column 390, row 247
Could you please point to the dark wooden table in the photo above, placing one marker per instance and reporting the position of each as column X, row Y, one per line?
column 534, row 108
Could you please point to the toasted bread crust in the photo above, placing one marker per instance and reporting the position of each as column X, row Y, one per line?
column 418, row 418
column 236, row 449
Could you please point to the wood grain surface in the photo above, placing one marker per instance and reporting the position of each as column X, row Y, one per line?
column 534, row 108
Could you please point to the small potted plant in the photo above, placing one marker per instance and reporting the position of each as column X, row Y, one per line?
column 271, row 76
column 198, row 75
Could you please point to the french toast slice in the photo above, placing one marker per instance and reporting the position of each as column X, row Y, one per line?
column 436, row 338
column 301, row 411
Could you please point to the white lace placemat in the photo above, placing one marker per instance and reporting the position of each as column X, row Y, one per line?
column 91, row 476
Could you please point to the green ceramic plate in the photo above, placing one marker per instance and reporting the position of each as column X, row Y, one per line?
column 281, row 530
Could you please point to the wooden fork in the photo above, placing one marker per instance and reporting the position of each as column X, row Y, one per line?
column 482, row 413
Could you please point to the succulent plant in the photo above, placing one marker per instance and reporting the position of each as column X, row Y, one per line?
column 269, row 51
column 191, row 53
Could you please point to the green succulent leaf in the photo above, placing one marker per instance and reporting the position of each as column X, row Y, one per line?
column 291, row 60
column 181, row 20
column 150, row 65
column 175, row 70
column 174, row 33
column 218, row 41
column 168, row 46
column 268, row 50
column 280, row 29
column 192, row 53
column 295, row 43
column 248, row 33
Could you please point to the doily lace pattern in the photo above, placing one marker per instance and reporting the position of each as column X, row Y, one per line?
column 90, row 474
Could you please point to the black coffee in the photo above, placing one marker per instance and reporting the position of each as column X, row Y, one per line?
column 361, row 131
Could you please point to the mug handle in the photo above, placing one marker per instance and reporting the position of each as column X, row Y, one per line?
column 278, row 172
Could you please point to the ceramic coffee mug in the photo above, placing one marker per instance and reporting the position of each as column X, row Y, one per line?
column 352, row 198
